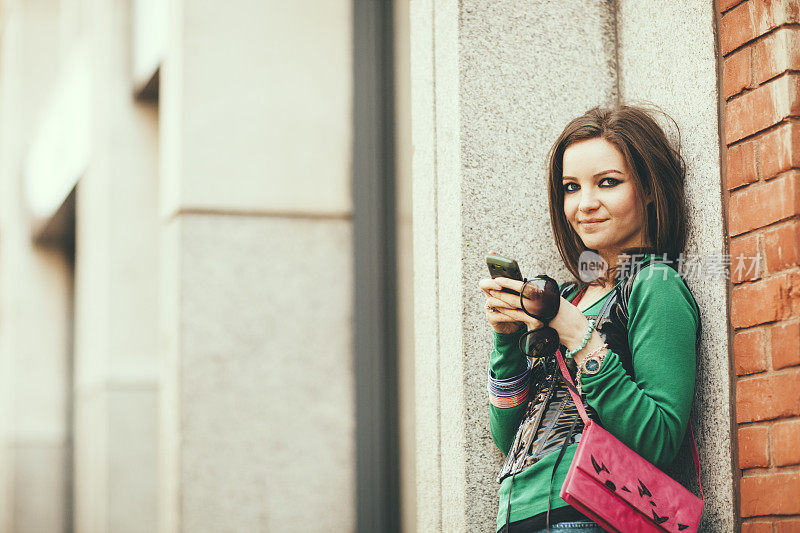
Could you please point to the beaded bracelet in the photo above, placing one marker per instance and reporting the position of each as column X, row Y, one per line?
column 586, row 336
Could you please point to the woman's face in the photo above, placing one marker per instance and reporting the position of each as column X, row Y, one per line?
column 598, row 185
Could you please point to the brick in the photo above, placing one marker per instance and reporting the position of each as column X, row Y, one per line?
column 775, row 54
column 779, row 150
column 725, row 5
column 760, row 302
column 782, row 246
column 768, row 397
column 740, row 167
column 752, row 19
column 753, row 447
column 745, row 259
column 748, row 352
column 770, row 494
column 786, row 442
column 762, row 107
column 762, row 204
column 736, row 27
column 785, row 345
column 790, row 295
column 757, row 527
column 736, row 73
column 787, row 526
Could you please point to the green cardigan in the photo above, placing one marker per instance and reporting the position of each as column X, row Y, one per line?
column 650, row 415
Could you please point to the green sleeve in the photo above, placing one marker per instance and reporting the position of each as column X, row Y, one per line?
column 650, row 415
column 505, row 361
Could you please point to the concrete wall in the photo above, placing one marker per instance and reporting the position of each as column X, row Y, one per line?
column 256, row 274
column 492, row 86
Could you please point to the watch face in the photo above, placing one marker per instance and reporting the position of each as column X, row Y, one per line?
column 592, row 366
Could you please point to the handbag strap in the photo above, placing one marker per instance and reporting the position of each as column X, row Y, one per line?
column 582, row 411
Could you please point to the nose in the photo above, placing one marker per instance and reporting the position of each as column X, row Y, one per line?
column 588, row 201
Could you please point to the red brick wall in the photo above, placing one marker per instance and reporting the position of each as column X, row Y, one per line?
column 760, row 44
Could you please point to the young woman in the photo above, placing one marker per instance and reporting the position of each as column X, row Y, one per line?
column 616, row 189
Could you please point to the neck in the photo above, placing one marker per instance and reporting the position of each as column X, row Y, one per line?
column 613, row 258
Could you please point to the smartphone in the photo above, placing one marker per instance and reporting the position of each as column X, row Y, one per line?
column 504, row 267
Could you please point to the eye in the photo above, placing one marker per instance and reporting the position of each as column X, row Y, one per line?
column 614, row 184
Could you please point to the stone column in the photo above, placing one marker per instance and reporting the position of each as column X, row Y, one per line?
column 35, row 293
column 116, row 285
column 256, row 139
column 492, row 86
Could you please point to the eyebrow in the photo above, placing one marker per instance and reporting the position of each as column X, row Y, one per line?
column 596, row 175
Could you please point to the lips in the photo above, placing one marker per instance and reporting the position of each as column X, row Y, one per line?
column 593, row 221
column 591, row 226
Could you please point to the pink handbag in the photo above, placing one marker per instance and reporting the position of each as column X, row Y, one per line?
column 619, row 489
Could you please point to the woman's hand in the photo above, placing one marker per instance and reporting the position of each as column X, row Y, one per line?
column 502, row 309
column 570, row 323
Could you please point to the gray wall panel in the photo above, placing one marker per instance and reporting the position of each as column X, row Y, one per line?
column 492, row 86
column 265, row 376
column 668, row 57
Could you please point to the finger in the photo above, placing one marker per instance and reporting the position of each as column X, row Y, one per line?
column 496, row 315
column 496, row 302
column 532, row 292
column 488, row 284
column 511, row 300
column 504, row 315
column 519, row 316
column 509, row 283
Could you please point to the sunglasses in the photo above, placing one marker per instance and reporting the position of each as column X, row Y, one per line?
column 540, row 299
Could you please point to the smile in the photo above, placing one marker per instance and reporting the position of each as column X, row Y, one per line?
column 592, row 225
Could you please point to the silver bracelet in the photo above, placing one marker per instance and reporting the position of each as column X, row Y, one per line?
column 598, row 350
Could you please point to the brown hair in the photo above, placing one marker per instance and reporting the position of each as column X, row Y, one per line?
column 658, row 171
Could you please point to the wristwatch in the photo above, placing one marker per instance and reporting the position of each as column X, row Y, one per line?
column 592, row 364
